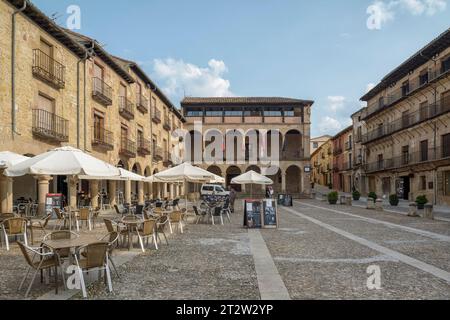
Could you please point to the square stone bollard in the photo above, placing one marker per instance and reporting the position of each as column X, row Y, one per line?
column 342, row 200
column 428, row 213
column 370, row 204
column 348, row 200
column 379, row 205
column 324, row 197
column 413, row 210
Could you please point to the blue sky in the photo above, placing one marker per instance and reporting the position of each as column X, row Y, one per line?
column 321, row 50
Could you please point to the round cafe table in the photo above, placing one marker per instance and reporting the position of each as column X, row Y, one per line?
column 131, row 225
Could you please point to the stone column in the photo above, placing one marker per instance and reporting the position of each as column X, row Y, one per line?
column 6, row 194
column 141, row 192
column 127, row 195
column 171, row 192
column 72, row 184
column 283, row 182
column 112, row 192
column 164, row 192
column 93, row 187
column 43, row 188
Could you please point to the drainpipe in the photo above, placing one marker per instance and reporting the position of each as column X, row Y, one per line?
column 90, row 53
column 13, row 69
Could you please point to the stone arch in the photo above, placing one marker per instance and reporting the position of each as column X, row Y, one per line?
column 271, row 154
column 215, row 169
column 232, row 172
column 252, row 153
column 236, row 152
column 254, row 168
column 293, row 149
column 276, row 178
column 293, row 179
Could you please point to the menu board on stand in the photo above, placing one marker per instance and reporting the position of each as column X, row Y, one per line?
column 252, row 214
column 53, row 200
column 270, row 214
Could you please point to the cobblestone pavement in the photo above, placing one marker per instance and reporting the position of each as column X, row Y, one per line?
column 319, row 251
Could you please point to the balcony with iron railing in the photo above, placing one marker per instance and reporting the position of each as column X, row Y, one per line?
column 101, row 92
column 406, row 90
column 158, row 153
column 126, row 108
column 337, row 150
column 49, row 126
column 348, row 146
column 429, row 112
column 292, row 155
column 144, row 146
column 166, row 124
column 142, row 103
column 410, row 159
column 127, row 148
column 167, row 161
column 102, row 138
column 48, row 69
column 156, row 116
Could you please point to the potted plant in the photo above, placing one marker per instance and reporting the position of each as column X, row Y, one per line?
column 356, row 195
column 393, row 200
column 373, row 195
column 333, row 197
column 421, row 201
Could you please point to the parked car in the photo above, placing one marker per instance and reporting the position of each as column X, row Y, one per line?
column 213, row 189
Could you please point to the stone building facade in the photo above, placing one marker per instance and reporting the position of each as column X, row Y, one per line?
column 65, row 89
column 343, row 160
column 322, row 164
column 407, row 139
column 284, row 120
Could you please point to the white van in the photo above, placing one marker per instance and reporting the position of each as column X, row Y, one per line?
column 213, row 189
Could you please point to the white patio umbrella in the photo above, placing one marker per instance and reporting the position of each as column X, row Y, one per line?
column 185, row 173
column 217, row 179
column 251, row 178
column 125, row 175
column 65, row 161
column 8, row 159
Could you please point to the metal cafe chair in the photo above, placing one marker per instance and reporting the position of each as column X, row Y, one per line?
column 14, row 227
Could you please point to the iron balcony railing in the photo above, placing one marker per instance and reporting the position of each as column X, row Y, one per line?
column 101, row 92
column 127, row 148
column 428, row 112
column 348, row 146
column 411, row 87
column 158, row 153
column 102, row 138
column 144, row 146
column 409, row 159
column 48, row 69
column 49, row 126
column 156, row 116
column 142, row 103
column 167, row 125
column 292, row 155
column 126, row 108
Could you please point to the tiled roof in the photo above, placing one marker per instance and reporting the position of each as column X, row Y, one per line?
column 244, row 100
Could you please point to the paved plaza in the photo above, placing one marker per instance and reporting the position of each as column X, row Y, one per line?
column 318, row 252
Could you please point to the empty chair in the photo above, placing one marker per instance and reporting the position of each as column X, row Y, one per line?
column 161, row 225
column 199, row 214
column 84, row 216
column 60, row 218
column 39, row 224
column 147, row 231
column 226, row 209
column 112, row 238
column 95, row 256
column 176, row 218
column 14, row 227
column 217, row 212
column 112, row 226
column 120, row 210
column 39, row 260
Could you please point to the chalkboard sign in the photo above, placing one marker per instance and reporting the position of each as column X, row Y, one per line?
column 288, row 201
column 281, row 199
column 53, row 200
column 270, row 217
column 252, row 214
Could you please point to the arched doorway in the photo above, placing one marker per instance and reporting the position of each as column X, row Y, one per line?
column 120, row 192
column 274, row 141
column 276, row 178
column 233, row 172
column 135, row 184
column 216, row 170
column 293, row 146
column 293, row 180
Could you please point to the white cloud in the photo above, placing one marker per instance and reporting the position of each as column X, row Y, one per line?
column 329, row 125
column 336, row 102
column 179, row 78
column 380, row 11
column 370, row 86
